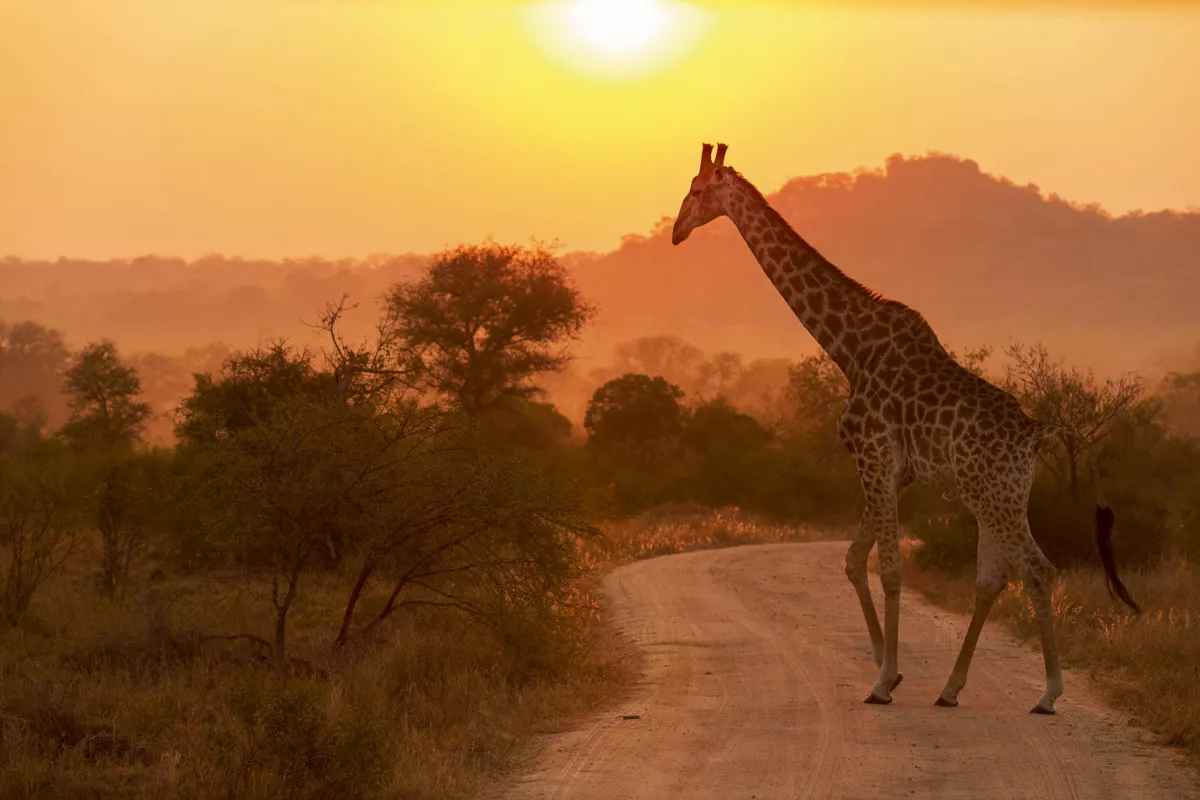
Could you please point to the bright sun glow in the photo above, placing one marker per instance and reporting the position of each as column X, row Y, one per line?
column 618, row 38
column 618, row 26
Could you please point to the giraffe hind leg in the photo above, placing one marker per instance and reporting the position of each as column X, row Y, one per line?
column 1041, row 584
column 1038, row 576
column 987, row 589
column 990, row 580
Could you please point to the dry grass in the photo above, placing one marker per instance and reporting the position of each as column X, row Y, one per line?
column 1147, row 665
column 678, row 529
column 102, row 700
column 137, row 699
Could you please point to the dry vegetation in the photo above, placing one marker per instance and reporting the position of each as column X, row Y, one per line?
column 145, row 705
column 677, row 529
column 144, row 698
column 1145, row 665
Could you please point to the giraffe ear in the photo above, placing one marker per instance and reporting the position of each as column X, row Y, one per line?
column 706, row 158
column 721, row 148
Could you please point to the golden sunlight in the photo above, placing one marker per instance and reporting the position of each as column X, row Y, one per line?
column 618, row 38
column 618, row 26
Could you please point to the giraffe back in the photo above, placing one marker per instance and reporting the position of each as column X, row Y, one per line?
column 911, row 401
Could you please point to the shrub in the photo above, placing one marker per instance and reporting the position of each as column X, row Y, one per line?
column 292, row 739
column 948, row 542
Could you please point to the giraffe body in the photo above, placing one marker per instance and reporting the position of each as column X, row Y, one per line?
column 913, row 415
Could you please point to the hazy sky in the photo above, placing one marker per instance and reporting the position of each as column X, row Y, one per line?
column 348, row 127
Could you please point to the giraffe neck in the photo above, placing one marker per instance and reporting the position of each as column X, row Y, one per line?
column 830, row 304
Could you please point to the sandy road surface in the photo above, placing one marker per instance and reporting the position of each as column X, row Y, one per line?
column 757, row 661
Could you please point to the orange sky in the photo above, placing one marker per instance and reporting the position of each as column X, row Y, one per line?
column 300, row 127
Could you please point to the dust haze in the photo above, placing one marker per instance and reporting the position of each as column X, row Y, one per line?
column 985, row 260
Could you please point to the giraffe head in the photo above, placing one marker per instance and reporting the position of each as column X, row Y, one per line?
column 703, row 203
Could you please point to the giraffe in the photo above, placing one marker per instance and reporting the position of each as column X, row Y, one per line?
column 914, row 415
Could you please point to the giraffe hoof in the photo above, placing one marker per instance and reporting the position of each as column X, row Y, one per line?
column 1041, row 709
column 944, row 703
column 896, row 682
column 877, row 700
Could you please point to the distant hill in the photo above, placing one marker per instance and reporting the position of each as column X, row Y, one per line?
column 985, row 260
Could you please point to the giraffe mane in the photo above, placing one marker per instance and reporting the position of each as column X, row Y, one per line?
column 865, row 291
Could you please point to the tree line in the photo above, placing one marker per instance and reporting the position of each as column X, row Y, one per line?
column 420, row 466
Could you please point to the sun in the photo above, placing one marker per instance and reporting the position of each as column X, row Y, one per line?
column 618, row 26
column 617, row 38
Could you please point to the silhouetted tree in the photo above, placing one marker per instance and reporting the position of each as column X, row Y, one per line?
column 104, row 395
column 40, row 519
column 973, row 360
column 636, row 415
column 820, row 467
column 459, row 528
column 20, row 432
column 732, row 463
column 1050, row 392
column 486, row 319
column 32, row 360
column 816, row 396
column 284, row 485
column 717, row 424
column 528, row 425
column 248, row 387
column 106, row 422
column 753, row 387
column 392, row 490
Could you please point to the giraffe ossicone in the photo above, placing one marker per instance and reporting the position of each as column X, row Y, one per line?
column 914, row 415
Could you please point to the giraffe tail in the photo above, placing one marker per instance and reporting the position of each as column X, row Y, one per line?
column 1105, row 521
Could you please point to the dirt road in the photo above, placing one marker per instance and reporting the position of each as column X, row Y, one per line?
column 757, row 662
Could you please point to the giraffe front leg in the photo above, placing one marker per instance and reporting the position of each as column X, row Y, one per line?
column 889, row 576
column 856, row 571
column 881, row 483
